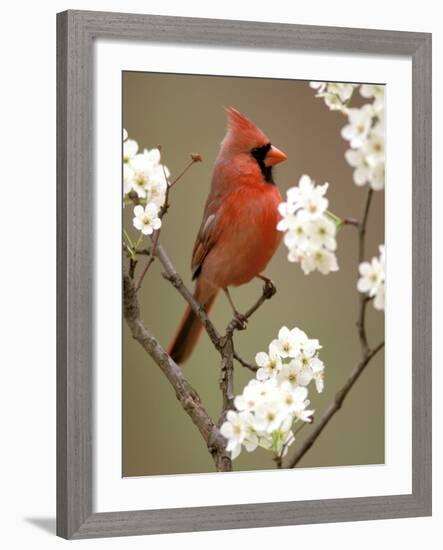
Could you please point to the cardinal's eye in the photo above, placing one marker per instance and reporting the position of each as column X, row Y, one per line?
column 259, row 153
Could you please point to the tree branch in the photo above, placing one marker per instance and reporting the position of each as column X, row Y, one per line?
column 226, row 380
column 132, row 266
column 174, row 278
column 185, row 393
column 224, row 345
column 334, row 407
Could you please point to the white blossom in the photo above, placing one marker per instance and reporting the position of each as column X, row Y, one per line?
column 371, row 276
column 364, row 131
column 377, row 177
column 317, row 367
column 293, row 397
column 269, row 363
column 357, row 159
column 309, row 232
column 372, row 279
column 271, row 403
column 374, row 147
column 149, row 180
column 128, row 178
column 146, row 218
column 336, row 95
column 379, row 298
column 308, row 198
column 319, row 259
column 364, row 172
column 235, row 431
column 360, row 121
column 288, row 342
column 143, row 172
column 319, row 86
column 295, row 374
column 269, row 415
column 130, row 148
column 322, row 233
column 343, row 91
column 252, row 394
column 297, row 235
column 377, row 92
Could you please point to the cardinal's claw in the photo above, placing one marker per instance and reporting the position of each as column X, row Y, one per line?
column 269, row 289
column 241, row 320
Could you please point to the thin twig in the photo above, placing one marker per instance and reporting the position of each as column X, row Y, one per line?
column 361, row 325
column 195, row 157
column 362, row 227
column 302, row 425
column 239, row 323
column 350, row 221
column 150, row 260
column 185, row 393
column 127, row 249
column 363, row 299
column 334, row 406
column 138, row 251
column 268, row 292
column 244, row 363
column 228, row 353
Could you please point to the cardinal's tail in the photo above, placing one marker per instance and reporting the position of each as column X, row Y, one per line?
column 190, row 327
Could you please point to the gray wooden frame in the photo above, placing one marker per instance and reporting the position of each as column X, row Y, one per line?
column 76, row 32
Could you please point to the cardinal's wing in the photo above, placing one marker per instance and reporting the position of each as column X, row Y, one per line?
column 207, row 236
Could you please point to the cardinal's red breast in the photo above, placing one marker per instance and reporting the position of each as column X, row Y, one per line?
column 247, row 236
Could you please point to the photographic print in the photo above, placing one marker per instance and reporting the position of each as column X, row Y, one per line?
column 253, row 274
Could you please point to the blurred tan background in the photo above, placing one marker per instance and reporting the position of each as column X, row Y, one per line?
column 185, row 114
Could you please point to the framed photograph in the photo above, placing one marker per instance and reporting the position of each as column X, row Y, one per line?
column 244, row 274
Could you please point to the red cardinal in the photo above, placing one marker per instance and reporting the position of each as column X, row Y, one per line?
column 238, row 234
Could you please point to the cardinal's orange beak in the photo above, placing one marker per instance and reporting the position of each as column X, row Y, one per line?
column 274, row 156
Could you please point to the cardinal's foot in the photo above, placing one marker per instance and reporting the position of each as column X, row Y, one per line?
column 241, row 320
column 269, row 289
